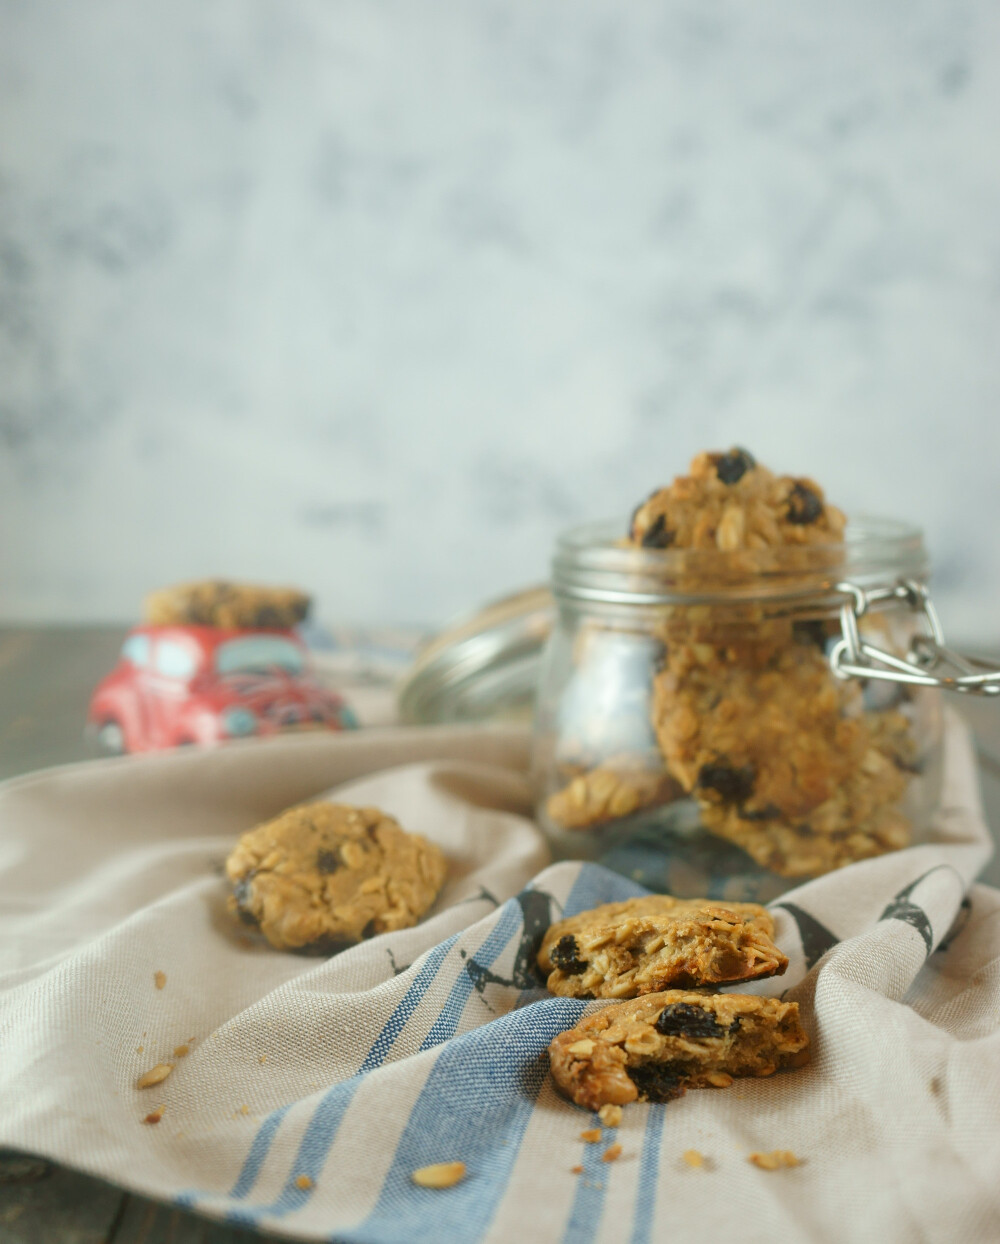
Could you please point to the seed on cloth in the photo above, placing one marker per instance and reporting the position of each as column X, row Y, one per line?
column 693, row 1158
column 774, row 1160
column 439, row 1175
column 155, row 1116
column 180, row 1051
column 159, row 979
column 155, row 1075
column 303, row 1182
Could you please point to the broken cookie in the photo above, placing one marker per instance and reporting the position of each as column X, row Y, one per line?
column 644, row 945
column 655, row 1047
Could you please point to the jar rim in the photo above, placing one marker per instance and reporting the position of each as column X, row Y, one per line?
column 593, row 563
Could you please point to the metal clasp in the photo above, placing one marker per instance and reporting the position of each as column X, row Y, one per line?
column 929, row 663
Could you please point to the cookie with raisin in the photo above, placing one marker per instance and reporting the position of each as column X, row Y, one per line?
column 234, row 606
column 656, row 1047
column 323, row 876
column 644, row 945
column 729, row 502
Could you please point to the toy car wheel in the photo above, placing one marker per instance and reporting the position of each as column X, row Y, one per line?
column 111, row 738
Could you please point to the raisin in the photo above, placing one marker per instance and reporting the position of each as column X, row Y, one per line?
column 812, row 632
column 804, row 506
column 657, row 1082
column 732, row 466
column 770, row 812
column 681, row 1019
column 733, row 783
column 635, row 512
column 328, row 861
column 656, row 535
column 565, row 956
column 243, row 893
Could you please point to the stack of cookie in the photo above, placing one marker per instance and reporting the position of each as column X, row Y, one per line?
column 661, row 953
column 234, row 606
column 780, row 756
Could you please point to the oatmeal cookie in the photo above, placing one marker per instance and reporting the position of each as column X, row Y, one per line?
column 323, row 876
column 653, row 1048
column 861, row 819
column 618, row 788
column 643, row 945
column 730, row 502
column 781, row 758
column 782, row 735
column 214, row 602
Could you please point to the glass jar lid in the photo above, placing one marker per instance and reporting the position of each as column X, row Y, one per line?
column 484, row 667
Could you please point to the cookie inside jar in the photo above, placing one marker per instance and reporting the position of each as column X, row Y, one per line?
column 691, row 731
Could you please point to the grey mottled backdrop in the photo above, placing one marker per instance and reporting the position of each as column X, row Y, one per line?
column 376, row 295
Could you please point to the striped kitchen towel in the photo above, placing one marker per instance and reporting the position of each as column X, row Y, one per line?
column 312, row 1089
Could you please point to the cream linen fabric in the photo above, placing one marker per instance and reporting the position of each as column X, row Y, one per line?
column 314, row 1087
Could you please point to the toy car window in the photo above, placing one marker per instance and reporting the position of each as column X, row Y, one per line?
column 258, row 653
column 136, row 650
column 174, row 660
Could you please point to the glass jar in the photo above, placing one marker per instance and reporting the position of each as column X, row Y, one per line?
column 730, row 724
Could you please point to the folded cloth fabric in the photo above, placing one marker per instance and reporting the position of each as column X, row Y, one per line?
column 313, row 1089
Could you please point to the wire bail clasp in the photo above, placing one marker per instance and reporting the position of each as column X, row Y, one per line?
column 929, row 663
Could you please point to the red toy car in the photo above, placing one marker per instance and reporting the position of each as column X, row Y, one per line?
column 205, row 684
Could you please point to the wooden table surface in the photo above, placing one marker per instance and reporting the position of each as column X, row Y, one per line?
column 46, row 677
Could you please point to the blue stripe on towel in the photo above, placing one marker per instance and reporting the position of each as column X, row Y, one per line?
column 451, row 1013
column 325, row 1123
column 474, row 1108
column 649, row 1173
column 472, row 1082
column 333, row 1099
column 588, row 1200
column 258, row 1152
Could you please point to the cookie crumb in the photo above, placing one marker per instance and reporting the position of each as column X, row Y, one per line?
column 693, row 1158
column 244, row 1109
column 440, row 1175
column 612, row 1153
column 181, row 1051
column 155, row 1075
column 262, row 1059
column 155, row 1116
column 139, row 1049
column 774, row 1160
column 610, row 1115
column 592, row 1135
column 159, row 979
column 576, row 1170
column 303, row 1182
